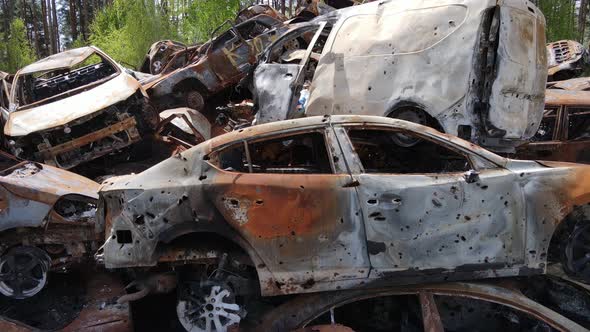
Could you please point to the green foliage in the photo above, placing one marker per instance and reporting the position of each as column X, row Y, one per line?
column 560, row 16
column 17, row 51
column 203, row 16
column 126, row 29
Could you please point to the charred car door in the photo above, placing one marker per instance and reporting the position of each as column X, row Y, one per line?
column 226, row 55
column 289, row 199
column 429, row 205
column 280, row 74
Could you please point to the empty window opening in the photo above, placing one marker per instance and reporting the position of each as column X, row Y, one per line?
column 578, row 124
column 384, row 151
column 547, row 128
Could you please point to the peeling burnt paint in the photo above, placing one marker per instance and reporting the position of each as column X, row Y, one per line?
column 316, row 232
column 370, row 63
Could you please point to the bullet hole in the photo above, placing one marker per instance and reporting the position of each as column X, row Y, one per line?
column 234, row 202
column 463, row 239
column 182, row 199
column 486, row 260
column 151, row 198
column 341, row 221
column 280, row 263
column 372, row 201
column 162, row 192
column 467, row 218
column 293, row 233
column 165, row 220
column 151, row 215
column 302, row 187
column 259, row 202
column 114, row 236
column 505, row 203
column 470, row 248
column 202, row 177
column 436, row 202
column 533, row 252
column 139, row 220
column 336, row 159
column 370, row 88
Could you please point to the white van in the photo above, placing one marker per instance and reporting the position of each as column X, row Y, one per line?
column 472, row 68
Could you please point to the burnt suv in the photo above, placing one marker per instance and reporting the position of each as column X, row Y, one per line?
column 74, row 107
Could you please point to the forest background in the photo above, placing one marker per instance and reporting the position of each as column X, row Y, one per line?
column 125, row 29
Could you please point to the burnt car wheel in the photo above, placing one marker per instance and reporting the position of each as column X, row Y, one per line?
column 212, row 308
column 194, row 100
column 577, row 254
column 23, row 272
column 410, row 114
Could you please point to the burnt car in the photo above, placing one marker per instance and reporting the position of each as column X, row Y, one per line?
column 46, row 223
column 566, row 60
column 159, row 54
column 328, row 203
column 510, row 305
column 74, row 107
column 195, row 74
column 473, row 73
column 564, row 134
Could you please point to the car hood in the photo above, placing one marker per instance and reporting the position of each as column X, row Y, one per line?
column 61, row 112
column 46, row 184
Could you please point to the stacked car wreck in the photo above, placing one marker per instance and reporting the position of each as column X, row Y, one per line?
column 334, row 154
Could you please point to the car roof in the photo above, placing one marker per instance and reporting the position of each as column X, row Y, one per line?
column 309, row 123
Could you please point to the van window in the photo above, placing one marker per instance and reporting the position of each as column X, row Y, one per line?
column 363, row 35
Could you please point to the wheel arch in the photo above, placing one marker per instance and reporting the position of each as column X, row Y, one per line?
column 230, row 238
column 409, row 104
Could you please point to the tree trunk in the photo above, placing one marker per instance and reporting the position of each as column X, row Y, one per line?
column 290, row 8
column 36, row 36
column 83, row 29
column 46, row 33
column 55, row 27
column 73, row 20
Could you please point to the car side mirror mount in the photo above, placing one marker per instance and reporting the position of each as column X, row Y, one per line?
column 471, row 176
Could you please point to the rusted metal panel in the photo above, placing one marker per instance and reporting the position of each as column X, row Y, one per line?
column 59, row 113
column 566, row 59
column 304, row 309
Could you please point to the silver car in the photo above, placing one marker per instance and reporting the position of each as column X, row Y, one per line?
column 329, row 203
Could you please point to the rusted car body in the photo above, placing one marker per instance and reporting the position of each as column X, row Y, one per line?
column 74, row 107
column 46, row 222
column 192, row 76
column 574, row 84
column 490, row 306
column 478, row 70
column 566, row 59
column 328, row 203
column 564, row 134
column 159, row 54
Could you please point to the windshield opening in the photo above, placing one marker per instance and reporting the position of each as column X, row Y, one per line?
column 37, row 86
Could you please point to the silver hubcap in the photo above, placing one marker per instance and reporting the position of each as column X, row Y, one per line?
column 214, row 312
column 23, row 272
